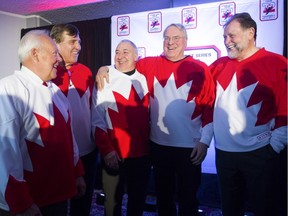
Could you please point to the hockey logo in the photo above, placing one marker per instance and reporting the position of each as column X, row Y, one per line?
column 269, row 10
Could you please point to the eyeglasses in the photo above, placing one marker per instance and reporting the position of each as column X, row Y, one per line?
column 173, row 39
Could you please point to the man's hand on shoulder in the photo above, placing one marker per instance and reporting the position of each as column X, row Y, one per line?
column 102, row 74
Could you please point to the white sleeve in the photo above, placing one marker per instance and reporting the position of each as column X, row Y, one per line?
column 10, row 152
column 207, row 134
column 98, row 111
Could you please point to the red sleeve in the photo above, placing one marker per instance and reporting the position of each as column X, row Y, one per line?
column 280, row 92
column 203, row 90
column 207, row 98
column 17, row 195
column 102, row 142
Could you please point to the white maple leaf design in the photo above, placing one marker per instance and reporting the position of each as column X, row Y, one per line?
column 166, row 104
column 231, row 107
column 124, row 89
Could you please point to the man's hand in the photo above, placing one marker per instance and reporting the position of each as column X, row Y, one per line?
column 32, row 211
column 81, row 186
column 199, row 153
column 102, row 74
column 112, row 160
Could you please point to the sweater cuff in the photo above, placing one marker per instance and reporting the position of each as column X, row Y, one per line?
column 278, row 139
column 207, row 134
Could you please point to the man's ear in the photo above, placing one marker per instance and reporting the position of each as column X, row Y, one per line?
column 136, row 57
column 251, row 33
column 34, row 54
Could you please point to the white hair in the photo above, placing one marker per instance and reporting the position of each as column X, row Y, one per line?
column 30, row 41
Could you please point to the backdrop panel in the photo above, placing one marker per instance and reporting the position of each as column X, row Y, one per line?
column 204, row 24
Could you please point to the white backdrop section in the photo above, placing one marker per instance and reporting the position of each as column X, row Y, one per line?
column 207, row 30
column 204, row 24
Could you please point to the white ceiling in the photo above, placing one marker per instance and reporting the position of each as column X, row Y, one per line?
column 32, row 6
column 65, row 11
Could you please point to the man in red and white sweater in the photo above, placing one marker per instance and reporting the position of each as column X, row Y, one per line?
column 39, row 160
column 75, row 81
column 250, row 120
column 181, row 112
column 120, row 120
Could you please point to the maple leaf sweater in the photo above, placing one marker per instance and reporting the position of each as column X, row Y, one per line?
column 251, row 102
column 39, row 159
column 182, row 96
column 120, row 119
column 77, row 84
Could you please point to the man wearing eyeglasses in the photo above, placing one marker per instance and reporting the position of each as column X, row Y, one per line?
column 181, row 103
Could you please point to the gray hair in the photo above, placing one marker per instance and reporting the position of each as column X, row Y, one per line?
column 132, row 44
column 178, row 26
column 29, row 41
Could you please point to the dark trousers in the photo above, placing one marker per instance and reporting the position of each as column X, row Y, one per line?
column 254, row 174
column 4, row 213
column 81, row 206
column 175, row 178
column 57, row 209
column 133, row 179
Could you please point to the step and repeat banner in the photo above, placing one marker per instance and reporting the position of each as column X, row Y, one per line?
column 204, row 25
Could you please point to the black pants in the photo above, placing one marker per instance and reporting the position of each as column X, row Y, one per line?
column 174, row 172
column 254, row 174
column 133, row 179
column 81, row 206
column 4, row 213
column 57, row 209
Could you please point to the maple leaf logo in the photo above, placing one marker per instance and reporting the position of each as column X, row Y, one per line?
column 47, row 141
column 171, row 103
column 128, row 108
column 130, row 121
column 235, row 105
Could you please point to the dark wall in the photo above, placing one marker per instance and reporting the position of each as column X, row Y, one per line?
column 95, row 42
